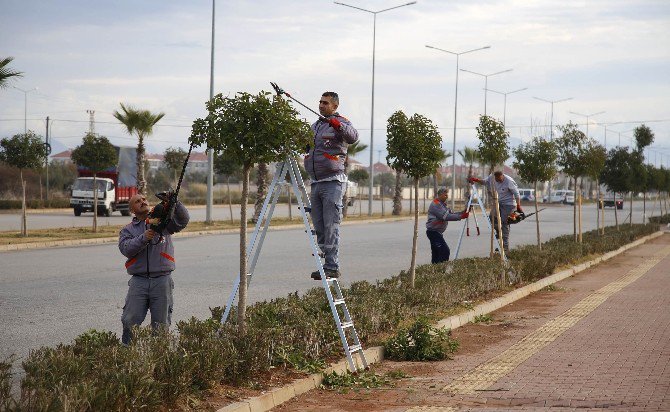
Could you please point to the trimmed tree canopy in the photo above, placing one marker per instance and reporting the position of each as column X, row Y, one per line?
column 258, row 128
column 571, row 148
column 23, row 151
column 413, row 144
column 95, row 153
column 536, row 160
column 617, row 173
column 493, row 148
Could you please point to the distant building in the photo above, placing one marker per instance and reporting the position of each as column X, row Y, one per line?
column 62, row 158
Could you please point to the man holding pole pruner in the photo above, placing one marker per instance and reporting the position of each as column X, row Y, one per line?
column 508, row 199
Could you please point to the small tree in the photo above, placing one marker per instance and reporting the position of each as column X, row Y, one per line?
column 616, row 174
column 95, row 153
column 141, row 123
column 414, row 146
column 253, row 129
column 536, row 162
column 227, row 166
column 644, row 137
column 594, row 161
column 493, row 146
column 360, row 176
column 23, row 151
column 572, row 146
column 174, row 160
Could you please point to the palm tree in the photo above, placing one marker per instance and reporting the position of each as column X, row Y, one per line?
column 7, row 73
column 470, row 156
column 141, row 123
column 352, row 150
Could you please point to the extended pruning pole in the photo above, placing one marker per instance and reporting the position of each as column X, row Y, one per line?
column 281, row 91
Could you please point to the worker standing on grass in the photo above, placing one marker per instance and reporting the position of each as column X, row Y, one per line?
column 438, row 216
column 325, row 165
column 508, row 199
column 150, row 262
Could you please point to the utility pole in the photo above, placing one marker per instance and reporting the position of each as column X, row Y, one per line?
column 91, row 121
column 47, row 145
column 210, row 152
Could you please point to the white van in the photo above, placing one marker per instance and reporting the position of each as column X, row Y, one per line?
column 527, row 195
column 560, row 196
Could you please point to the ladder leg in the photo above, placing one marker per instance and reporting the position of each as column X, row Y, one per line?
column 460, row 238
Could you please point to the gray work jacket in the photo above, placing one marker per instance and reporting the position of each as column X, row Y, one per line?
column 438, row 216
column 329, row 149
column 151, row 258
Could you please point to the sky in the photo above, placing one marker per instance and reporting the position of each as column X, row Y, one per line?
column 607, row 56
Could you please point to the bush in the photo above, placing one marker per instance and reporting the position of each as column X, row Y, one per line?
column 420, row 342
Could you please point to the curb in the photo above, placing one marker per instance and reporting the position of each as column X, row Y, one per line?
column 104, row 240
column 277, row 396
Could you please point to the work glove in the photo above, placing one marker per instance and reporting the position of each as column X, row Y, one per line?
column 334, row 123
column 472, row 180
column 464, row 215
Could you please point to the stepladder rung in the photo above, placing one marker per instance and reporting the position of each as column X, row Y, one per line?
column 355, row 348
column 338, row 301
column 347, row 325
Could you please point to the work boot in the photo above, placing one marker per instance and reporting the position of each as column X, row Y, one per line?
column 330, row 273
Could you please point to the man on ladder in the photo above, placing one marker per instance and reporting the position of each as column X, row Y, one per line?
column 508, row 199
column 325, row 165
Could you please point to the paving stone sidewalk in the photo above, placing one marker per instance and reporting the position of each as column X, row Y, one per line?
column 597, row 341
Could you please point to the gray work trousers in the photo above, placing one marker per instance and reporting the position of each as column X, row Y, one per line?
column 326, row 200
column 146, row 293
column 505, row 210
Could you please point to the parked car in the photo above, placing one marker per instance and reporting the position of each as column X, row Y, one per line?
column 560, row 196
column 527, row 195
column 609, row 201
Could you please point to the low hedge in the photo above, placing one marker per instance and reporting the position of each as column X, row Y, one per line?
column 173, row 369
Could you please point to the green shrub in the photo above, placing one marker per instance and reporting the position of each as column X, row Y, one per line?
column 6, row 400
column 420, row 342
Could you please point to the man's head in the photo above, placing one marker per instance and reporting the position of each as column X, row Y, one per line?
column 442, row 194
column 328, row 103
column 139, row 205
column 498, row 175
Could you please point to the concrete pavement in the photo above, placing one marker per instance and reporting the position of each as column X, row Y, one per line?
column 598, row 340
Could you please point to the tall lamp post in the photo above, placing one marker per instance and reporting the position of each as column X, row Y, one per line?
column 453, row 157
column 210, row 152
column 25, row 106
column 505, row 101
column 486, row 81
column 372, row 110
column 551, row 130
column 587, row 119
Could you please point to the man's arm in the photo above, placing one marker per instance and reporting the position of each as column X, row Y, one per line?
column 130, row 245
column 344, row 129
column 179, row 220
column 514, row 188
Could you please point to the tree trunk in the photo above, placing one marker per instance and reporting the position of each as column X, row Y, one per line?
column 381, row 194
column 537, row 219
column 579, row 214
column 262, row 183
column 644, row 207
column 425, row 194
column 501, row 241
column 230, row 201
column 411, row 201
column 24, row 226
column 397, row 195
column 574, row 210
column 242, row 295
column 412, row 266
column 141, row 182
column 598, row 206
column 95, row 203
column 435, row 185
column 616, row 215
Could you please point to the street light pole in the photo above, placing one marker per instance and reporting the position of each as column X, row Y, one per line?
column 587, row 119
column 25, row 106
column 372, row 109
column 486, row 81
column 551, row 131
column 210, row 152
column 505, row 102
column 453, row 156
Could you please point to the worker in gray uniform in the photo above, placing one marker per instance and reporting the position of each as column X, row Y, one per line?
column 150, row 261
column 439, row 214
column 508, row 199
column 325, row 165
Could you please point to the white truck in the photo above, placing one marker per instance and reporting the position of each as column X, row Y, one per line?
column 116, row 186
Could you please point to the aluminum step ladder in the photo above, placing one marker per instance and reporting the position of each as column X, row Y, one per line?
column 474, row 196
column 338, row 306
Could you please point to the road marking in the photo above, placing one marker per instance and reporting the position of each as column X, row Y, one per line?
column 486, row 374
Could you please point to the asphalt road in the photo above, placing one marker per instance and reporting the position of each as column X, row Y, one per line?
column 52, row 295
